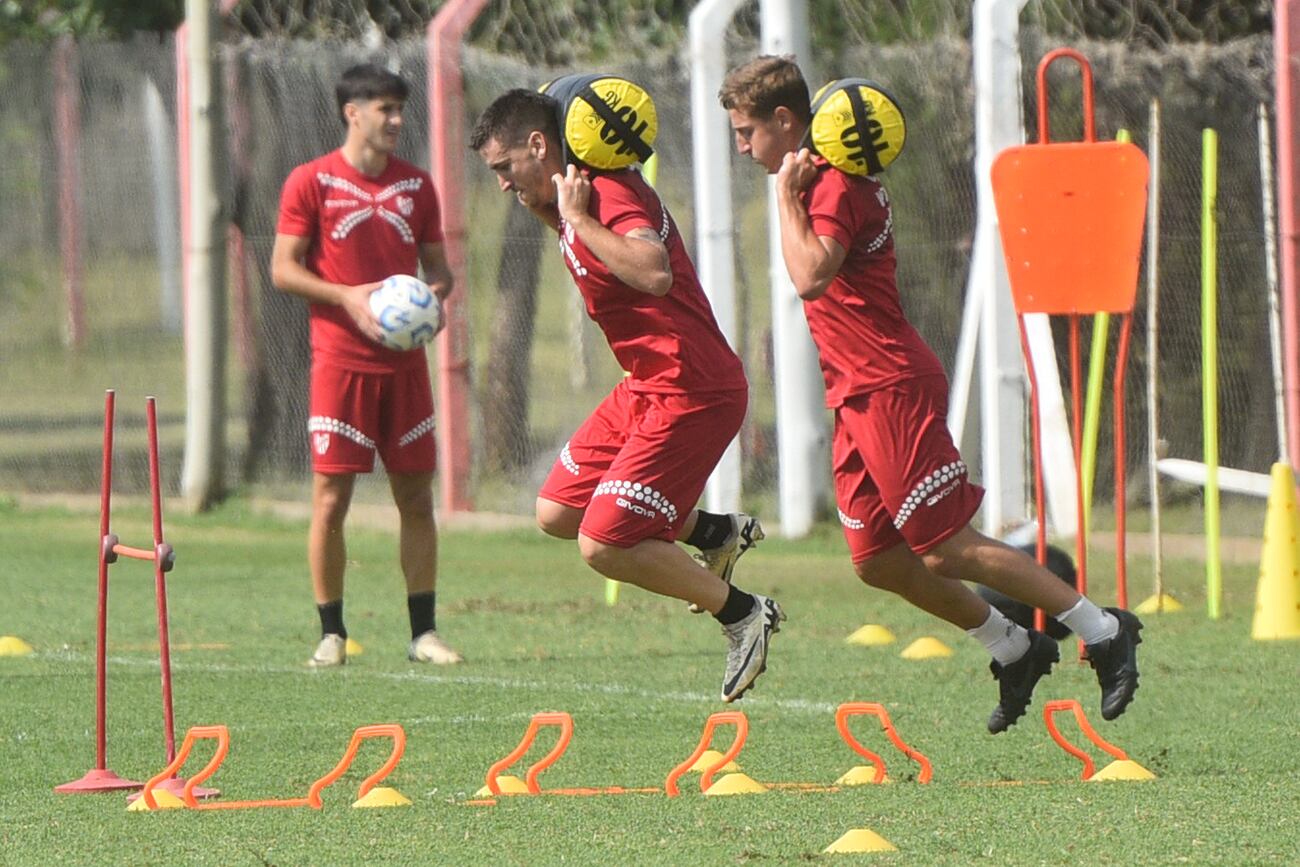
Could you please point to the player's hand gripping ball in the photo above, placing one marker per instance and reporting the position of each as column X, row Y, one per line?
column 408, row 312
column 857, row 126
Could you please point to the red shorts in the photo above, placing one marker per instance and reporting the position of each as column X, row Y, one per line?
column 898, row 476
column 638, row 464
column 355, row 414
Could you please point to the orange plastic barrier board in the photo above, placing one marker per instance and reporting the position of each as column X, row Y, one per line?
column 1071, row 215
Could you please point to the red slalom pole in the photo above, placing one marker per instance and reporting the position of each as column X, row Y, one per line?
column 100, row 778
column 163, row 559
column 101, row 627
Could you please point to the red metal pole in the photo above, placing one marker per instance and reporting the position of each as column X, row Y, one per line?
column 101, row 625
column 1040, row 507
column 100, row 778
column 183, row 168
column 1286, row 60
column 1076, row 407
column 161, row 565
column 67, row 114
column 447, row 157
column 242, row 302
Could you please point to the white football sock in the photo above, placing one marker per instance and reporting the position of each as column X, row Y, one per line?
column 1004, row 639
column 1089, row 622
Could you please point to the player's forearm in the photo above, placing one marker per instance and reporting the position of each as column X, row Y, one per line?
column 639, row 262
column 806, row 258
column 293, row 277
column 438, row 275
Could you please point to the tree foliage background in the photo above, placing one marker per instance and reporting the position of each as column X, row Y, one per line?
column 561, row 31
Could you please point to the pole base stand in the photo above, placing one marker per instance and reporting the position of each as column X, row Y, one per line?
column 97, row 780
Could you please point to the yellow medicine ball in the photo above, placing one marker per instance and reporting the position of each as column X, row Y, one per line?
column 607, row 122
column 857, row 126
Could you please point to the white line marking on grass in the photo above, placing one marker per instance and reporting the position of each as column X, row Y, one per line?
column 612, row 689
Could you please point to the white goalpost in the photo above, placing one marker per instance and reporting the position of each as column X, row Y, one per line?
column 801, row 427
column 989, row 319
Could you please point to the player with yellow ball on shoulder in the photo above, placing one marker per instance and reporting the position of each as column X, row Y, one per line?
column 904, row 495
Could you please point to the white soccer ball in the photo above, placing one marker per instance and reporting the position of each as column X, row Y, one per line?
column 408, row 312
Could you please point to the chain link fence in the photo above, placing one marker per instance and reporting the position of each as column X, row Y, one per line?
column 537, row 365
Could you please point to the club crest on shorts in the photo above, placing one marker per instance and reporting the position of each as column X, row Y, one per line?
column 321, row 442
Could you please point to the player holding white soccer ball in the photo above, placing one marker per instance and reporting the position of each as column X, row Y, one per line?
column 354, row 226
column 409, row 313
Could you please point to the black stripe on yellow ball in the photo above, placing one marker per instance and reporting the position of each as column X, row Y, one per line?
column 857, row 126
column 608, row 122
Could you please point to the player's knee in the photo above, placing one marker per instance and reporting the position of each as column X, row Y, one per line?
column 331, row 506
column 556, row 520
column 874, row 573
column 416, row 502
column 595, row 554
column 938, row 561
column 960, row 556
column 895, row 569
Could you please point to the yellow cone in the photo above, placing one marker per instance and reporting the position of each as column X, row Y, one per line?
column 926, row 648
column 383, row 796
column 508, row 785
column 862, row 775
column 165, row 800
column 706, row 760
column 1277, row 597
column 354, row 647
column 1159, row 604
column 1123, row 769
column 871, row 635
column 861, row 840
column 11, row 645
column 736, row 784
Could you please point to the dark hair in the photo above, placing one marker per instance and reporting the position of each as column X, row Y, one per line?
column 760, row 86
column 368, row 81
column 513, row 115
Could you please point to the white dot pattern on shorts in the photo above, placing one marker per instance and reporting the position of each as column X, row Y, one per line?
column 325, row 424
column 642, row 494
column 923, row 491
column 566, row 458
column 851, row 523
column 416, row 432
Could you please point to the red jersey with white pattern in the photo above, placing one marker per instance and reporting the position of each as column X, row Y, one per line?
column 670, row 344
column 863, row 339
column 362, row 230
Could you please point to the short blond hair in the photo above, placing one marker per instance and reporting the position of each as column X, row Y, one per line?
column 765, row 83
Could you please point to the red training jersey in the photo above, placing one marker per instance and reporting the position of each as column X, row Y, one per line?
column 362, row 230
column 864, row 340
column 669, row 345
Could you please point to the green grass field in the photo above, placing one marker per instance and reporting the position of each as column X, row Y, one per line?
column 1215, row 718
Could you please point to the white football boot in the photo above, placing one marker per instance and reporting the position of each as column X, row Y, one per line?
column 429, row 647
column 332, row 651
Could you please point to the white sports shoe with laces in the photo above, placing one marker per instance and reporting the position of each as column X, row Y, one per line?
column 429, row 647
column 332, row 651
column 747, row 656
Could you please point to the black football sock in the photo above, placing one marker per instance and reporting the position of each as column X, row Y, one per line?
column 421, row 607
column 331, row 619
column 710, row 531
column 738, row 606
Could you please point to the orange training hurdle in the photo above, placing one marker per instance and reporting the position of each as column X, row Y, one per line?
column 862, row 708
column 313, row 799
